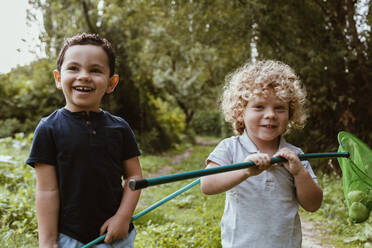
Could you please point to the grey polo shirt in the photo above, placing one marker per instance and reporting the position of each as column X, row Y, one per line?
column 261, row 211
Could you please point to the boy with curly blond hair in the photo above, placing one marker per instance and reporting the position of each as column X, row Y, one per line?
column 262, row 101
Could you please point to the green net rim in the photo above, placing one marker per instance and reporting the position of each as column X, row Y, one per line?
column 362, row 175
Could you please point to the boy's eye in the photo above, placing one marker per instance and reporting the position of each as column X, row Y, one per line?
column 281, row 108
column 258, row 106
column 96, row 70
column 72, row 68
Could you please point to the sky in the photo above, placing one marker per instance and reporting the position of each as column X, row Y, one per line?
column 19, row 41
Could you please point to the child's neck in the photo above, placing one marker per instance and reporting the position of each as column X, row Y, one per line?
column 268, row 147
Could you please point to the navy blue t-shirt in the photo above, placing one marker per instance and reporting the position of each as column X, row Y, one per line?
column 88, row 151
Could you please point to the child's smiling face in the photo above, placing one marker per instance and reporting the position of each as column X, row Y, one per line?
column 85, row 77
column 266, row 118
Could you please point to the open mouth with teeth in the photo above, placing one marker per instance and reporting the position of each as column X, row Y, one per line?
column 83, row 89
column 269, row 126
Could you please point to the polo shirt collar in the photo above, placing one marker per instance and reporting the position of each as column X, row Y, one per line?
column 248, row 144
column 83, row 114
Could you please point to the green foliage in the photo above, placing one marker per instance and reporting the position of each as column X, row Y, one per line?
column 29, row 93
column 153, row 163
column 179, row 235
column 166, row 50
column 207, row 123
column 338, row 83
column 334, row 215
column 180, row 52
column 17, row 222
column 9, row 127
column 189, row 220
column 168, row 117
column 148, row 141
column 211, row 123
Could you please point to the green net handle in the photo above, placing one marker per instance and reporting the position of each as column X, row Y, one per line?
column 136, row 184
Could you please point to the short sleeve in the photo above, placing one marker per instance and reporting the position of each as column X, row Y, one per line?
column 222, row 154
column 131, row 148
column 307, row 166
column 43, row 148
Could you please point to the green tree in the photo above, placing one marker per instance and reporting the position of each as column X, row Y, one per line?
column 28, row 94
column 173, row 57
column 320, row 40
column 131, row 99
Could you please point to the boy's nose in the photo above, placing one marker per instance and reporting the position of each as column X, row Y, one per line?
column 269, row 113
column 83, row 75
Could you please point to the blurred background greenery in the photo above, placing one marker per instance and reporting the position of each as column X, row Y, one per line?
column 172, row 57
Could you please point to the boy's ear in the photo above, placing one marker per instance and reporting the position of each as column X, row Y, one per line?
column 114, row 80
column 57, row 79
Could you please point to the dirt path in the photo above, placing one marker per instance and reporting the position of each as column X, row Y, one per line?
column 311, row 236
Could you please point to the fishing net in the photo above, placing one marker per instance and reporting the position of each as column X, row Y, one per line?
column 356, row 176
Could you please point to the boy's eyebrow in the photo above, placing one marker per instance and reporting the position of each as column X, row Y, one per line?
column 92, row 65
column 256, row 101
column 72, row 63
column 262, row 101
column 97, row 65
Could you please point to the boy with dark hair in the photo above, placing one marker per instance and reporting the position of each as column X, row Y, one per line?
column 81, row 154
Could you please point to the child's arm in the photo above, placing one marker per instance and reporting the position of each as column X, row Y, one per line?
column 308, row 192
column 117, row 226
column 222, row 182
column 47, row 205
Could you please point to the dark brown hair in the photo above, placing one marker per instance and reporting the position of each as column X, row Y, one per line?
column 88, row 39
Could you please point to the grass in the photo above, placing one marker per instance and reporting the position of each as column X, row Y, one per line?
column 17, row 211
column 332, row 218
column 189, row 220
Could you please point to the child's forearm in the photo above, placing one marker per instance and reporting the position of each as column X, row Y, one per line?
column 221, row 182
column 117, row 226
column 47, row 205
column 47, row 208
column 308, row 192
column 129, row 200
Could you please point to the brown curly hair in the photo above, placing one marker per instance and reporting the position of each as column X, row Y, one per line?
column 256, row 79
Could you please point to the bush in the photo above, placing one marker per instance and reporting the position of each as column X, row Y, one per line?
column 27, row 93
column 207, row 123
column 17, row 203
column 167, row 127
column 147, row 141
column 9, row 127
column 211, row 123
